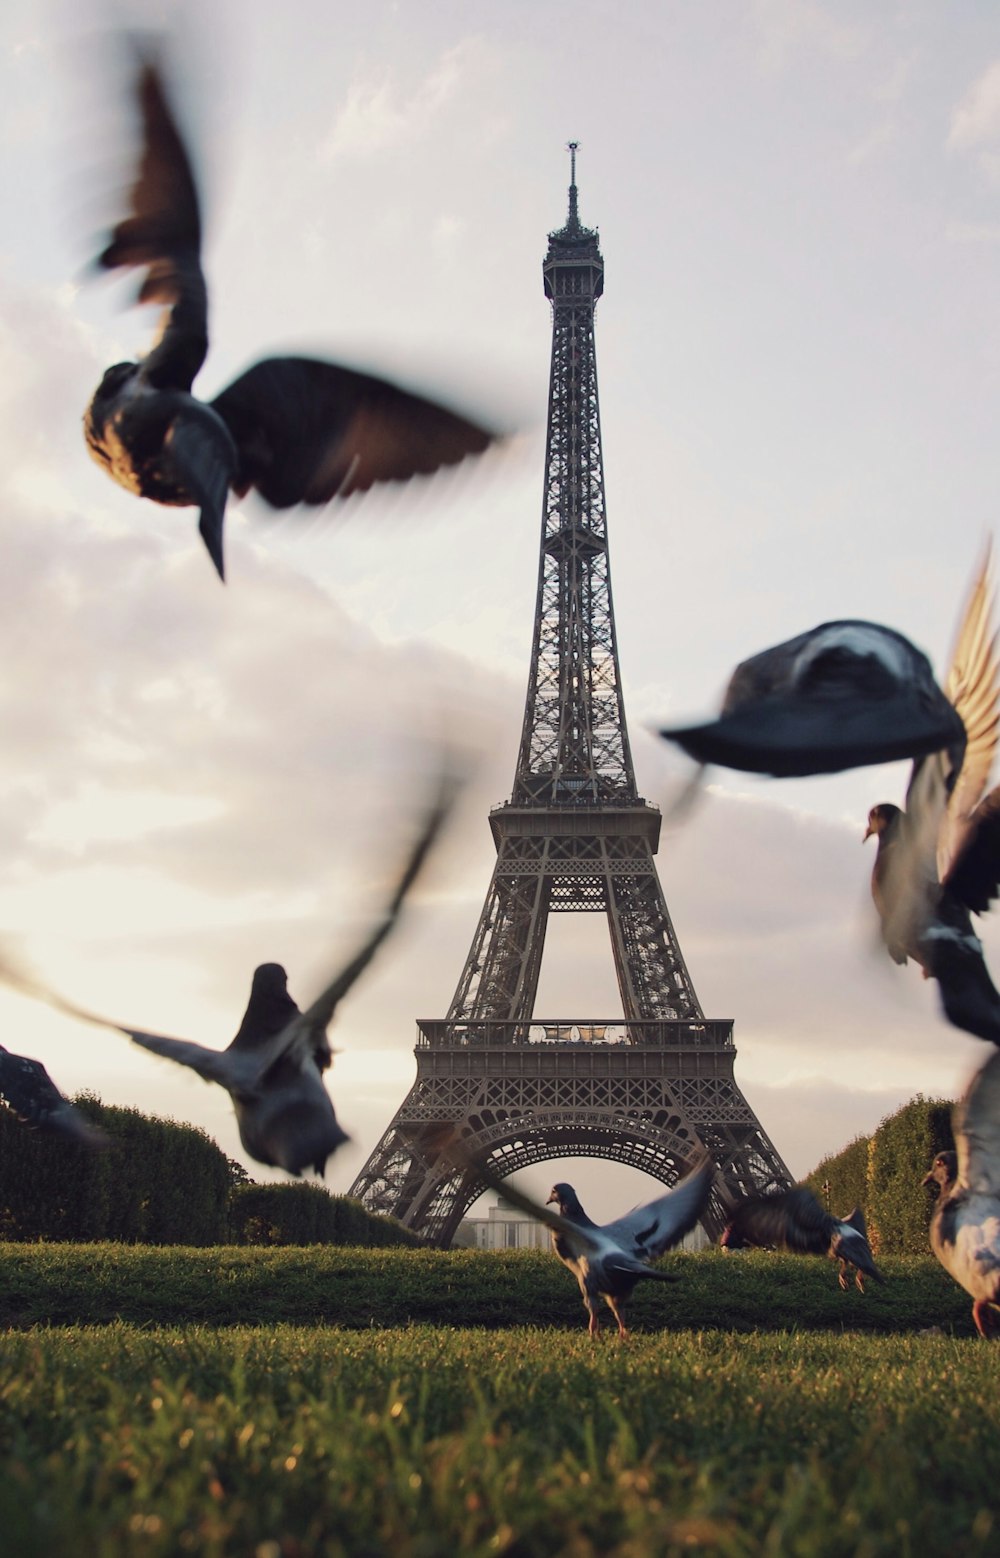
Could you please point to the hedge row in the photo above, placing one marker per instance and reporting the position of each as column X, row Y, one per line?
column 882, row 1173
column 304, row 1214
column 162, row 1183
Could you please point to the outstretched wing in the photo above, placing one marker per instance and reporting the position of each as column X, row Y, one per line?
column 976, row 1124
column 792, row 1220
column 974, row 875
column 162, row 232
column 582, row 1241
column 650, row 1230
column 305, row 1034
column 971, row 686
column 308, row 431
column 31, row 1093
column 845, row 694
column 210, row 1064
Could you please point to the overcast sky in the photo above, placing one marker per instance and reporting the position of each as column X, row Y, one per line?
column 799, row 360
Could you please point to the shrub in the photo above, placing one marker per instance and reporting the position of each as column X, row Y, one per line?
column 306, row 1214
column 158, row 1183
column 899, row 1155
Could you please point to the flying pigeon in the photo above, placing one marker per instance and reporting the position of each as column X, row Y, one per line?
column 965, row 1227
column 273, row 1069
column 33, row 1096
column 843, row 695
column 793, row 1220
column 940, row 858
column 608, row 1261
column 296, row 429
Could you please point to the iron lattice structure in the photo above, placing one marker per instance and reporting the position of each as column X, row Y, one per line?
column 575, row 835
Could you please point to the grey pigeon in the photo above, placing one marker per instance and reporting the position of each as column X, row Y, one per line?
column 793, row 1220
column 296, row 429
column 843, row 695
column 939, row 859
column 33, row 1096
column 608, row 1261
column 273, row 1069
column 965, row 1227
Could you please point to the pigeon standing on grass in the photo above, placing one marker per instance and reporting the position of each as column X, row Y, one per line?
column 965, row 1227
column 793, row 1220
column 939, row 858
column 27, row 1088
column 297, row 429
column 609, row 1260
column 273, row 1069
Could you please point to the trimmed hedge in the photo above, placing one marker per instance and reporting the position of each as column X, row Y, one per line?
column 163, row 1183
column 882, row 1173
column 158, row 1183
column 305, row 1214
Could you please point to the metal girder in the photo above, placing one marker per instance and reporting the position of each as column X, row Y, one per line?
column 648, row 1090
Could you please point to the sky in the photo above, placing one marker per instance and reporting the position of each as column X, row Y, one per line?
column 798, row 357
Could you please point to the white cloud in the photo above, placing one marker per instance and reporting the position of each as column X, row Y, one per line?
column 975, row 121
column 380, row 113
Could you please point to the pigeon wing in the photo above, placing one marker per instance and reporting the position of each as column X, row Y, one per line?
column 972, row 688
column 974, row 875
column 793, row 1220
column 650, row 1230
column 976, row 1124
column 306, row 1034
column 582, row 1241
column 162, row 232
column 309, row 431
column 31, row 1093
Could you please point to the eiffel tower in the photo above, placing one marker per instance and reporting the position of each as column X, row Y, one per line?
column 647, row 1089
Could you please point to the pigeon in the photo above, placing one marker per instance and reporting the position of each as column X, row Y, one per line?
column 965, row 1226
column 793, row 1220
column 939, row 859
column 273, row 1069
column 33, row 1096
column 608, row 1261
column 296, row 429
column 844, row 695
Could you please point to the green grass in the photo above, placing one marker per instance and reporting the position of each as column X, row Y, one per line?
column 288, row 1442
column 61, row 1284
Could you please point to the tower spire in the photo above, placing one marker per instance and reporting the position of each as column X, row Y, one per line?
column 574, row 213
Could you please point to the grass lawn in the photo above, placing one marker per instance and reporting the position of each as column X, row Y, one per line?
column 283, row 1441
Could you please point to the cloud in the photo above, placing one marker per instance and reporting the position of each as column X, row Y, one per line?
column 975, row 121
column 787, row 28
column 380, row 113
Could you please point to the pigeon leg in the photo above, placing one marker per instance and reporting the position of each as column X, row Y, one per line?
column 842, row 1276
column 859, row 1280
column 985, row 1317
column 622, row 1331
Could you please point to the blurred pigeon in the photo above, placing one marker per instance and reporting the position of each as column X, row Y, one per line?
column 965, row 1227
column 793, row 1220
column 843, row 695
column 608, row 1261
column 940, row 858
column 273, row 1069
column 33, row 1096
column 296, row 429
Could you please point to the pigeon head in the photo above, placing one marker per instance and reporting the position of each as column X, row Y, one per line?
column 565, row 1198
column 943, row 1171
column 269, row 979
column 881, row 818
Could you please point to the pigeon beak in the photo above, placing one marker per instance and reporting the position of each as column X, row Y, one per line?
column 867, row 833
column 552, row 1197
column 928, row 1178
